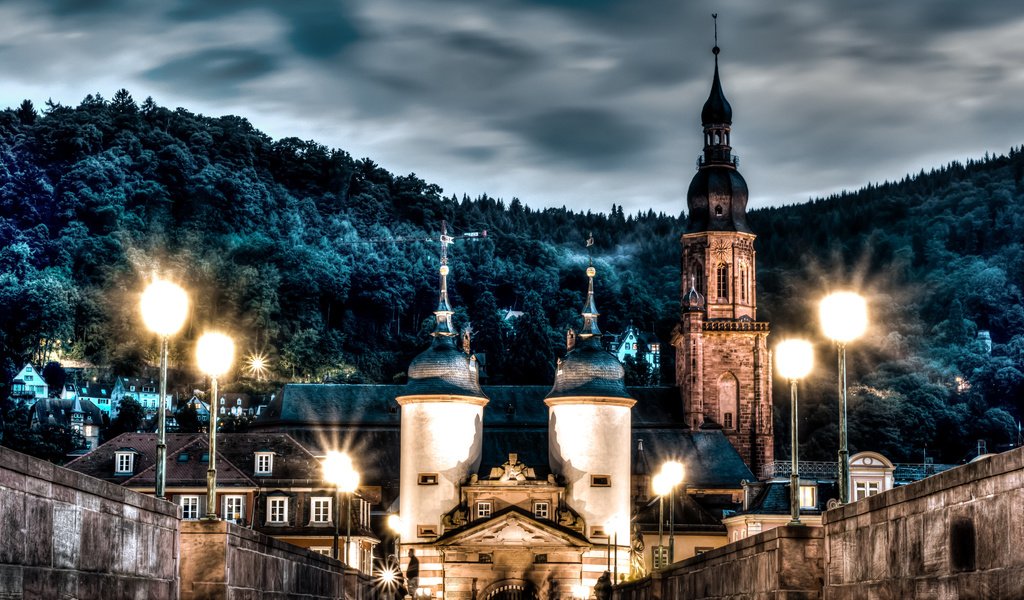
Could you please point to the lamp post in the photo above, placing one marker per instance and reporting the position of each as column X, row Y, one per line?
column 844, row 317
column 164, row 307
column 661, row 486
column 673, row 471
column 339, row 471
column 214, row 353
column 614, row 524
column 794, row 359
column 395, row 525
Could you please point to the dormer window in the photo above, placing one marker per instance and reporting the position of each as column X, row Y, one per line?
column 264, row 463
column 124, row 463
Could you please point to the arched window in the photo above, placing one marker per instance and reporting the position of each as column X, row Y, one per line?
column 723, row 281
column 698, row 277
column 718, row 210
column 728, row 400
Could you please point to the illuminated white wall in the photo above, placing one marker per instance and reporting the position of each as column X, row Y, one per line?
column 592, row 439
column 442, row 437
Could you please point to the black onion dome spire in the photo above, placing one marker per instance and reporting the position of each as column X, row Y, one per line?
column 442, row 369
column 588, row 369
column 717, row 198
column 693, row 301
column 717, row 110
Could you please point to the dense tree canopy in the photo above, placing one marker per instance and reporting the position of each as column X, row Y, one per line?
column 309, row 257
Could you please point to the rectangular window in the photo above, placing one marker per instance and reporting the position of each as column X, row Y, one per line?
column 189, row 507
column 600, row 481
column 540, row 558
column 660, row 556
column 427, row 479
column 132, row 388
column 124, row 461
column 234, row 508
column 485, row 557
column 540, row 510
column 727, row 421
column 264, row 463
column 808, row 496
column 325, row 550
column 864, row 489
column 426, row 531
column 483, row 509
column 277, row 510
column 598, row 532
column 321, row 510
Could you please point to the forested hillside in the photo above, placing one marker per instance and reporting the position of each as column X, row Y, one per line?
column 284, row 243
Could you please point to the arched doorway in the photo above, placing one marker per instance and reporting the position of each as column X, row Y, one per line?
column 512, row 591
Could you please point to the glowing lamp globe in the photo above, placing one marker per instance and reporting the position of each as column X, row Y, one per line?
column 673, row 471
column 844, row 316
column 617, row 524
column 164, row 307
column 339, row 471
column 395, row 523
column 662, row 486
column 215, row 353
column 794, row 358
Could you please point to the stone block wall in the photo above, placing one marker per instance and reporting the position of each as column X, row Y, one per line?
column 223, row 561
column 955, row 535
column 780, row 564
column 68, row 535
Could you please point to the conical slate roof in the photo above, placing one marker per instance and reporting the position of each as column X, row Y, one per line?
column 443, row 369
column 588, row 369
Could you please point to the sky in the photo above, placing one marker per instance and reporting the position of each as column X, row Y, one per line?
column 577, row 103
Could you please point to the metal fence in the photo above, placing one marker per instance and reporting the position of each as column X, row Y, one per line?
column 904, row 472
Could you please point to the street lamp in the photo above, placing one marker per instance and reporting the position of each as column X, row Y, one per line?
column 614, row 524
column 844, row 317
column 339, row 471
column 794, row 359
column 164, row 307
column 673, row 472
column 214, row 353
column 662, row 486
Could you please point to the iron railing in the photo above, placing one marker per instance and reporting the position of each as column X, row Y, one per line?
column 904, row 472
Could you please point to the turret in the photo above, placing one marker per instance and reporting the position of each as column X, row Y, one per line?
column 442, row 426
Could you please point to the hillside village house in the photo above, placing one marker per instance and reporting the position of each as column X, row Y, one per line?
column 29, row 384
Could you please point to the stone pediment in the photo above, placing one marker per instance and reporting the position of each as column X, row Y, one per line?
column 512, row 527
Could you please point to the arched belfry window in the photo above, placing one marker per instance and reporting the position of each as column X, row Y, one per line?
column 723, row 281
column 743, row 282
column 698, row 277
column 728, row 400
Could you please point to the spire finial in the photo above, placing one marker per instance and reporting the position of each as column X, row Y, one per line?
column 590, row 308
column 716, row 49
column 443, row 314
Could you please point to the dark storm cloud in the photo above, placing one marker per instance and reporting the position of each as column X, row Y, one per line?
column 213, row 72
column 557, row 101
column 588, row 136
column 317, row 29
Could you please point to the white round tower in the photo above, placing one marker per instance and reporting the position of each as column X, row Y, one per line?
column 442, row 428
column 589, row 431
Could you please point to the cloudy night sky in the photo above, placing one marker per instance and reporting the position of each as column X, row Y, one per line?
column 577, row 103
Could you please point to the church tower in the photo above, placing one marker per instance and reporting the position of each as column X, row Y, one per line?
column 723, row 367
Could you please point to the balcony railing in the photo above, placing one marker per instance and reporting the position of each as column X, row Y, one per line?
column 904, row 472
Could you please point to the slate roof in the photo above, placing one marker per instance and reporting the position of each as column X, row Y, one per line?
column 59, row 411
column 589, row 370
column 235, row 459
column 689, row 516
column 443, row 369
column 365, row 421
column 773, row 498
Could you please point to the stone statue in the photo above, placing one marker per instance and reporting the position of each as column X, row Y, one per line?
column 570, row 339
column 603, row 587
column 637, row 566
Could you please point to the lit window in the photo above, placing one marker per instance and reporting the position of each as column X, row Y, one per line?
column 132, row 388
column 325, row 550
column 753, row 528
column 234, row 508
column 321, row 510
column 264, row 463
column 222, row 401
column 277, row 510
column 189, row 507
column 427, row 479
column 483, row 509
column 123, row 462
column 540, row 510
column 808, row 496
